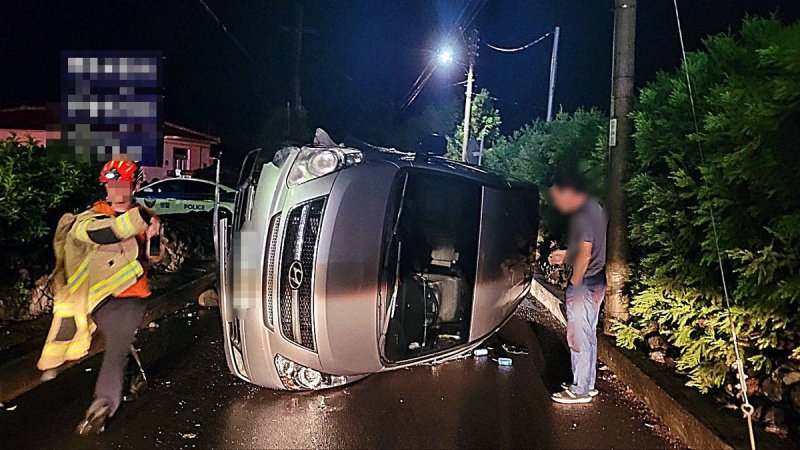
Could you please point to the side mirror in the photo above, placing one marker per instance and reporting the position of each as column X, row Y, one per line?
column 432, row 144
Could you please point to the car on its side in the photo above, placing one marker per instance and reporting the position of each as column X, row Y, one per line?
column 184, row 195
column 342, row 262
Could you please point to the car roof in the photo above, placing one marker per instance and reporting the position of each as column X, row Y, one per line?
column 191, row 180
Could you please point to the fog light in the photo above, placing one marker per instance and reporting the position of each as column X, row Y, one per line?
column 299, row 377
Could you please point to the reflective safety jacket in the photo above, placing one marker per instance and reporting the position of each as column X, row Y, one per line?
column 97, row 256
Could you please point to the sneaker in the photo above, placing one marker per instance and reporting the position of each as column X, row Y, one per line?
column 592, row 392
column 96, row 417
column 569, row 397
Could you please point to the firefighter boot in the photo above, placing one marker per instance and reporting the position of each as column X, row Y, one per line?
column 96, row 417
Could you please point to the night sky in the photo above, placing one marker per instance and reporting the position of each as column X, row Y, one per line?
column 356, row 53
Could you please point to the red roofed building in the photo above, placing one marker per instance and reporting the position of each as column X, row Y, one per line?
column 185, row 150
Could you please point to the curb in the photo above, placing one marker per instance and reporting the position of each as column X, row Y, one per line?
column 20, row 375
column 690, row 415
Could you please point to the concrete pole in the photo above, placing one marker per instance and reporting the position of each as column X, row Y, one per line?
column 467, row 113
column 620, row 145
column 472, row 54
column 553, row 66
column 298, row 50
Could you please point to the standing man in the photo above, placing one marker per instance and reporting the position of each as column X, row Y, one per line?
column 101, row 283
column 585, row 258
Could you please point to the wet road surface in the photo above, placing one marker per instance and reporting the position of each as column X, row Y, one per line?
column 195, row 402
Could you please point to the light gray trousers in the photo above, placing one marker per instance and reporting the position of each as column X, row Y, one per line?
column 583, row 311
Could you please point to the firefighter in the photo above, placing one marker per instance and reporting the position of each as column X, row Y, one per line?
column 100, row 282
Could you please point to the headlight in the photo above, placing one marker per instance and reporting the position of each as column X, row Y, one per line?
column 313, row 163
column 299, row 377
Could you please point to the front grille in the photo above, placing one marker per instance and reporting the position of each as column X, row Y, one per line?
column 297, row 270
column 269, row 270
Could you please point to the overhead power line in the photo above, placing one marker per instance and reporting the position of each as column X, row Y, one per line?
column 517, row 49
column 228, row 33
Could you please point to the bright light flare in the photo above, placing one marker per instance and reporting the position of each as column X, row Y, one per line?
column 445, row 56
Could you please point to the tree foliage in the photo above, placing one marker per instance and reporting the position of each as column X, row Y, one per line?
column 484, row 123
column 570, row 142
column 742, row 165
column 36, row 190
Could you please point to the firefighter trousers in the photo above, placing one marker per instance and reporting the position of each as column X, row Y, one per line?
column 117, row 320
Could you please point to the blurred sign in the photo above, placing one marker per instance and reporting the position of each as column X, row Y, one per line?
column 612, row 133
column 111, row 105
column 473, row 152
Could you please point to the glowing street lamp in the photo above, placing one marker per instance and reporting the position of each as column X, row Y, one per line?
column 445, row 56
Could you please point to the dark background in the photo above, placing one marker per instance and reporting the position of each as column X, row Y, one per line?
column 355, row 53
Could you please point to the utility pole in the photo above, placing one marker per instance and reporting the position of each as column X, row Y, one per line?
column 619, row 146
column 553, row 66
column 298, row 49
column 472, row 54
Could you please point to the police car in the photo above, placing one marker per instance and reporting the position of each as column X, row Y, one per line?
column 184, row 195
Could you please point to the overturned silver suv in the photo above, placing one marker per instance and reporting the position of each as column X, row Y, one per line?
column 344, row 261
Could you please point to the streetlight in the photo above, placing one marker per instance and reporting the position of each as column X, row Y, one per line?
column 446, row 57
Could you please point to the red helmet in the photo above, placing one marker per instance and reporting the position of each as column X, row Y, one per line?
column 118, row 170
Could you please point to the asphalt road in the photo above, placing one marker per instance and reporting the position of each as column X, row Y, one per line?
column 195, row 402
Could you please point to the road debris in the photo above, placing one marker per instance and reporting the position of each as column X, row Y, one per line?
column 480, row 352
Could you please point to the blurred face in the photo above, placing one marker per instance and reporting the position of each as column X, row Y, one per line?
column 566, row 200
column 119, row 191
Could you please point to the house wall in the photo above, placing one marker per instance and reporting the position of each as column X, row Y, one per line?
column 40, row 136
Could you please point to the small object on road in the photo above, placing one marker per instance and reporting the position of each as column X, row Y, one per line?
column 11, row 408
column 504, row 361
column 209, row 298
column 480, row 352
column 515, row 349
column 188, row 435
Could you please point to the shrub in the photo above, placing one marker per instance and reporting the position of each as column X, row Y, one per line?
column 35, row 190
column 747, row 91
column 570, row 142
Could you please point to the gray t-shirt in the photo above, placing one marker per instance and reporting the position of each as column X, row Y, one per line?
column 588, row 224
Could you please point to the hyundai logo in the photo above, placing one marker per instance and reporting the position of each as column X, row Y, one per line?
column 296, row 275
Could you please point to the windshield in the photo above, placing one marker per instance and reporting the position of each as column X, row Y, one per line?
column 430, row 263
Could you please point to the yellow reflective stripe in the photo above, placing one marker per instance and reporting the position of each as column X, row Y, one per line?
column 63, row 310
column 127, row 219
column 77, row 278
column 124, row 222
column 79, row 282
column 102, row 288
column 122, row 274
column 81, row 230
